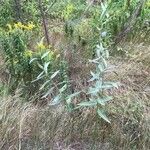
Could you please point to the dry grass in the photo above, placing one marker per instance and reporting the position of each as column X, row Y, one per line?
column 130, row 107
column 25, row 126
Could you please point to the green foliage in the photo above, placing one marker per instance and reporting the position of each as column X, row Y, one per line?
column 31, row 70
column 97, row 91
column 14, row 43
column 31, row 11
column 118, row 14
column 76, row 31
column 5, row 13
column 48, row 70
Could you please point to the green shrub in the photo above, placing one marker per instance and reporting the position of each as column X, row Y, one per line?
column 30, row 69
column 5, row 13
column 96, row 92
column 14, row 44
column 47, row 66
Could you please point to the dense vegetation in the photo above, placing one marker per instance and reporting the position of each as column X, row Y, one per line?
column 74, row 74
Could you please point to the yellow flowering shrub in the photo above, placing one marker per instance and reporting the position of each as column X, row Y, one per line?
column 41, row 46
column 30, row 26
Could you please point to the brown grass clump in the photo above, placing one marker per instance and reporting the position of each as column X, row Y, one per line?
column 130, row 108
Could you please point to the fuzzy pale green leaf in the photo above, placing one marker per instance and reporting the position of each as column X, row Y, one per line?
column 88, row 104
column 102, row 114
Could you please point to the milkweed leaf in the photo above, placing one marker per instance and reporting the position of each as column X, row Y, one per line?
column 102, row 114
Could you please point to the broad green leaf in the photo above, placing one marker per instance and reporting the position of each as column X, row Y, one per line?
column 109, row 85
column 69, row 98
column 46, row 64
column 40, row 66
column 45, row 54
column 103, row 100
column 54, row 74
column 63, row 88
column 88, row 104
column 48, row 92
column 96, row 76
column 33, row 59
column 68, row 101
column 107, row 53
column 104, row 11
column 39, row 76
column 98, row 84
column 95, row 61
column 102, row 114
column 93, row 74
column 115, row 84
column 98, row 51
column 38, row 79
column 104, row 62
column 74, row 94
column 92, row 79
column 101, row 68
column 44, row 85
column 56, row 100
column 42, row 40
column 93, row 91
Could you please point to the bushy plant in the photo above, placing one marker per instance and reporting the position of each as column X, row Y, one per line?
column 47, row 66
column 97, row 91
column 17, row 56
column 5, row 13
column 33, row 70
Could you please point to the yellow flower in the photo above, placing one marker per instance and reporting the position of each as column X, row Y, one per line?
column 25, row 27
column 41, row 46
column 31, row 26
column 19, row 25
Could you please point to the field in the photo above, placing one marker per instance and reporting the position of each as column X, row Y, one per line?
column 75, row 75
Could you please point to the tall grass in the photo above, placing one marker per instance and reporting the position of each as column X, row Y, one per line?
column 77, row 27
column 25, row 125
